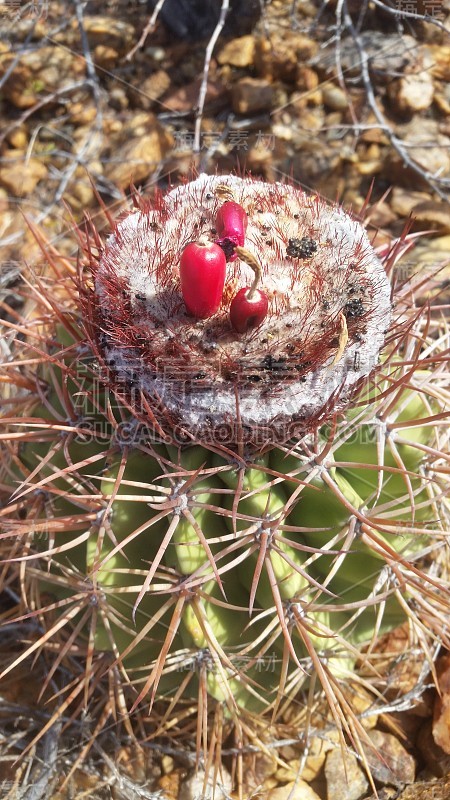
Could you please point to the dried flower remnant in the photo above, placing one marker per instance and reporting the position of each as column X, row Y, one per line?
column 231, row 225
column 166, row 351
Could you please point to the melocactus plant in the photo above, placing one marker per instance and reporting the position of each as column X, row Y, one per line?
column 219, row 511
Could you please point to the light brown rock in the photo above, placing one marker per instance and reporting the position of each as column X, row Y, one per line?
column 441, row 717
column 427, row 790
column 334, row 97
column 252, row 94
column 193, row 788
column 345, row 778
column 278, row 59
column 39, row 72
column 307, row 79
column 414, row 90
column 238, row 52
column 402, row 201
column 167, row 764
column 369, row 167
column 112, row 126
column 118, row 98
column 440, row 56
column 442, row 99
column 137, row 160
column 82, row 114
column 373, row 135
column 432, row 214
column 134, row 763
column 395, row 765
column 381, row 215
column 18, row 177
column 80, row 193
column 290, row 772
column 106, row 57
column 434, row 159
column 429, row 253
column 411, row 93
column 387, row 53
column 4, row 205
column 362, row 701
column 436, row 759
column 258, row 157
column 314, row 761
column 169, row 785
column 146, row 93
column 317, row 162
column 296, row 790
column 186, row 98
column 139, row 147
column 25, row 26
column 110, row 32
column 18, row 138
column 261, row 776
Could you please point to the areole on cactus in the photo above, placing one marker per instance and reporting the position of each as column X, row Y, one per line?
column 191, row 502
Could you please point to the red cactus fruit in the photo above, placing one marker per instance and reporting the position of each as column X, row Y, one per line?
column 231, row 225
column 249, row 307
column 202, row 274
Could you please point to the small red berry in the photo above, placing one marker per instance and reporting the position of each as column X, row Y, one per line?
column 202, row 274
column 247, row 309
column 231, row 225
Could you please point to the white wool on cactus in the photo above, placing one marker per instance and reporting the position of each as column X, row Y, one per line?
column 328, row 311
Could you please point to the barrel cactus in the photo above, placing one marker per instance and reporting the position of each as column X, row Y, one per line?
column 224, row 458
